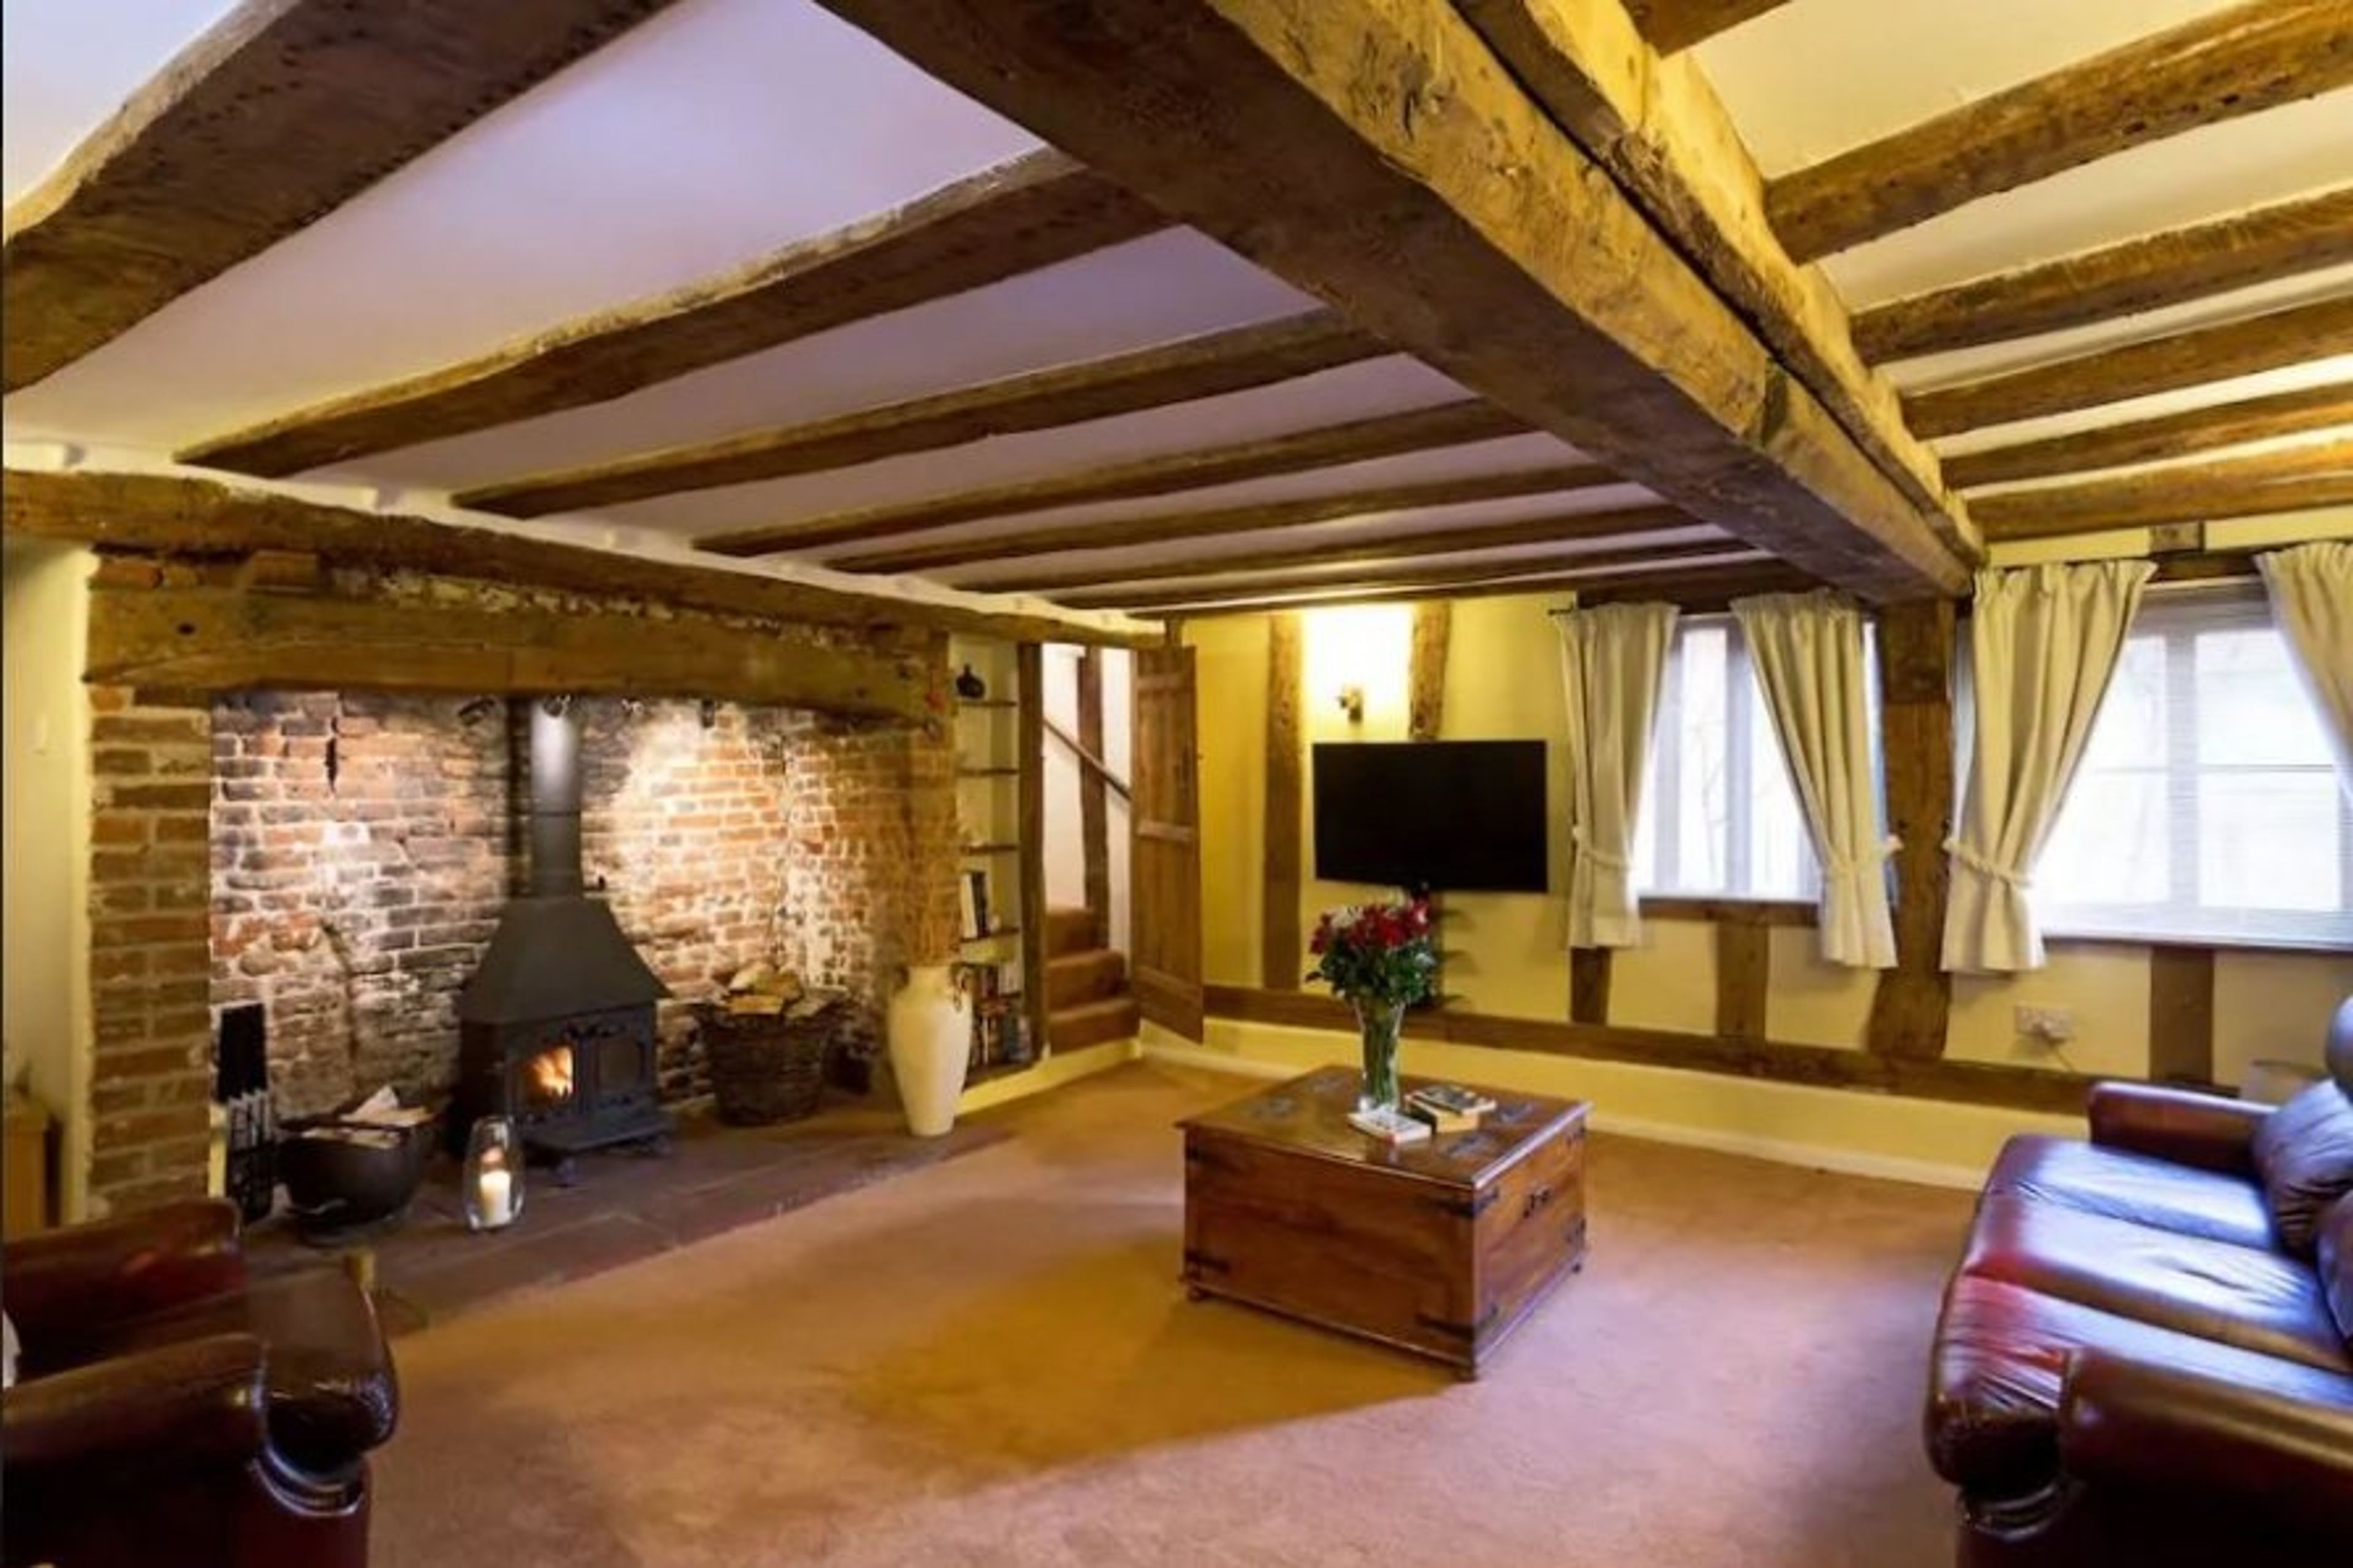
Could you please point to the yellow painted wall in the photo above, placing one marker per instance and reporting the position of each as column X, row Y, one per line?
column 1504, row 950
column 44, row 970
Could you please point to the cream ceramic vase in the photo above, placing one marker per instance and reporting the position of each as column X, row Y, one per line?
column 930, row 1044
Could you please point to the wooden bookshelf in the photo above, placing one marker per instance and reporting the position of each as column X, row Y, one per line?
column 1000, row 740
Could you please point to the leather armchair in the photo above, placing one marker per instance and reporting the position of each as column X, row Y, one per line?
column 171, row 1409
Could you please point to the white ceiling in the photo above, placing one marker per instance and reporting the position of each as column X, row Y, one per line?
column 724, row 129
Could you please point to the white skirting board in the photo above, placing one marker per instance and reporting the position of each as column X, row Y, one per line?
column 1894, row 1138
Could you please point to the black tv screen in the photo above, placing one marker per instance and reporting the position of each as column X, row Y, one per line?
column 1461, row 815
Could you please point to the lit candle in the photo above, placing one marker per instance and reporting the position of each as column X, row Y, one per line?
column 497, row 1192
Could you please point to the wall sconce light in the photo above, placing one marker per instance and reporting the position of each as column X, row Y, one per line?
column 1352, row 703
column 556, row 704
column 710, row 712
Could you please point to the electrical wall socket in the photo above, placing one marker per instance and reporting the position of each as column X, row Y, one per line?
column 2049, row 1027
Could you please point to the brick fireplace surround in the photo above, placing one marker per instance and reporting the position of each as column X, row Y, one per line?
column 341, row 858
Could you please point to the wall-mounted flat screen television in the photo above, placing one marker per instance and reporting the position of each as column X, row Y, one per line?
column 1449, row 816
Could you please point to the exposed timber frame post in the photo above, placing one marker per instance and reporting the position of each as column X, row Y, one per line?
column 1282, row 964
column 1433, row 622
column 1029, row 743
column 1912, row 1008
column 1095, row 797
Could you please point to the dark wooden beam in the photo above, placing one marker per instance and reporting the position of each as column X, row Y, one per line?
column 2124, row 280
column 1030, row 213
column 1818, row 1066
column 1671, row 24
column 219, row 639
column 1911, row 1005
column 1299, row 451
column 2289, row 479
column 1744, row 976
column 1066, row 395
column 1281, row 961
column 2181, row 1014
column 2234, row 62
column 284, row 110
column 1249, row 516
column 1376, row 153
column 1433, row 625
column 2193, row 358
column 1589, row 985
column 1731, row 912
column 1094, row 799
column 2167, row 436
column 1557, row 529
column 1428, row 574
column 1698, row 590
column 165, row 515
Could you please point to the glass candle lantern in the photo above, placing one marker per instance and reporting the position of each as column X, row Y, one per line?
column 492, row 1184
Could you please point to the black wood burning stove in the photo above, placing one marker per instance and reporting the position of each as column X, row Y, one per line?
column 556, row 1028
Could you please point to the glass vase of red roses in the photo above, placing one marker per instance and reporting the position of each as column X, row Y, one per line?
column 1381, row 959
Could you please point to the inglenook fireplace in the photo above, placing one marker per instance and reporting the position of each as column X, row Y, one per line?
column 556, row 1028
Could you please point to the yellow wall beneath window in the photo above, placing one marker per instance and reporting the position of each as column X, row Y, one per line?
column 1504, row 957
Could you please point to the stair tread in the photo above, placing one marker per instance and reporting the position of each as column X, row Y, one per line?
column 1099, row 1006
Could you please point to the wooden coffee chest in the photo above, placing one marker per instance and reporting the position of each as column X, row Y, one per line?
column 1441, row 1247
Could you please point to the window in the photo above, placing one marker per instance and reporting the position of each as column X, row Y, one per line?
column 2206, row 806
column 1720, row 817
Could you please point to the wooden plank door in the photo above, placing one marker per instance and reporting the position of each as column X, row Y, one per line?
column 1165, row 856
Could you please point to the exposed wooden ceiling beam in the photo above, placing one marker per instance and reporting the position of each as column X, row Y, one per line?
column 2192, row 358
column 1529, row 571
column 1030, row 213
column 2217, row 68
column 1376, row 153
column 1658, row 127
column 1696, row 589
column 1671, row 24
column 2156, row 440
column 2146, row 274
column 1164, row 374
column 1298, row 451
column 168, row 515
column 1458, row 541
column 2290, row 479
column 1251, row 516
column 282, row 110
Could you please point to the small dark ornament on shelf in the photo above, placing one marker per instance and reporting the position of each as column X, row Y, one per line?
column 970, row 685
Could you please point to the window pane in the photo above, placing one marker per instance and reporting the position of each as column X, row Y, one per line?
column 2130, row 730
column 1780, row 854
column 1702, row 798
column 2110, row 845
column 2268, row 840
column 2253, row 708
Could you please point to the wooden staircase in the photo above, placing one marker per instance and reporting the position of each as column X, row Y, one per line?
column 1087, row 998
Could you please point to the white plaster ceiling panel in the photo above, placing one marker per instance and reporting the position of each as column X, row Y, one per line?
column 66, row 64
column 1818, row 77
column 2158, row 468
column 710, row 135
column 954, row 470
column 1995, row 359
column 1341, row 535
column 2291, row 378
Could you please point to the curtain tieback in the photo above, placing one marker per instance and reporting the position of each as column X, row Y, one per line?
column 1601, row 858
column 1871, row 859
column 1986, row 867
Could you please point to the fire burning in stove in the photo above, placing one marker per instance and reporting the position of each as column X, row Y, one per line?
column 551, row 1076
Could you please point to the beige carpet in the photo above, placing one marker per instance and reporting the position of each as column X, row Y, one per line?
column 990, row 1362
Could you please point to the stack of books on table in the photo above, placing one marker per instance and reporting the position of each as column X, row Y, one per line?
column 1448, row 1107
column 1394, row 1128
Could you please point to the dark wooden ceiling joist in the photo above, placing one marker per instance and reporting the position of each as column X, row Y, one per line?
column 1299, row 451
column 1253, row 517
column 282, row 110
column 1559, row 528
column 1671, row 24
column 1377, row 156
column 1165, row 373
column 167, row 515
column 1030, row 213
column 2234, row 62
column 2146, row 274
column 2156, row 440
column 2192, row 358
column 2291, row 479
column 1524, row 572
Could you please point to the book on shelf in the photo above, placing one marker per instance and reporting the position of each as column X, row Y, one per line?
column 972, row 898
column 993, row 992
column 1394, row 1128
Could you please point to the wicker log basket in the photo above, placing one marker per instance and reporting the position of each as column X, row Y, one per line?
column 769, row 1067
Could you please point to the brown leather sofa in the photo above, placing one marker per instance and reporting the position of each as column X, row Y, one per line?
column 2146, row 1357
column 171, row 1409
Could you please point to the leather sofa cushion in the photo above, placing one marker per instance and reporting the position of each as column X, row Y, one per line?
column 2258, row 1300
column 2148, row 1191
column 2336, row 1254
column 2001, row 1364
column 2305, row 1153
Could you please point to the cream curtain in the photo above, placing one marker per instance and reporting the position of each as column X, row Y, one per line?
column 1808, row 657
column 2043, row 643
column 1612, row 660
column 2311, row 588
